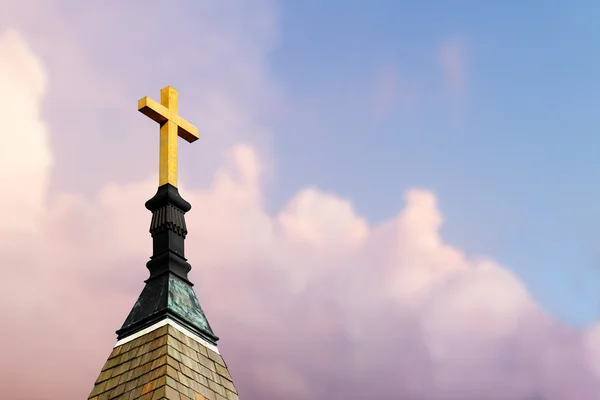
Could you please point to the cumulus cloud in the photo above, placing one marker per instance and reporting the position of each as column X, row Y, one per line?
column 312, row 302
column 25, row 156
column 215, row 54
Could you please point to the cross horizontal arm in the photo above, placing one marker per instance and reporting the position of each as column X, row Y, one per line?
column 186, row 130
column 153, row 110
column 159, row 113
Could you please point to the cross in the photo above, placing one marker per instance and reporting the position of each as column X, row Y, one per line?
column 171, row 126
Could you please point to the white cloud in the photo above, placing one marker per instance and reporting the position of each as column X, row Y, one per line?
column 25, row 156
column 292, row 277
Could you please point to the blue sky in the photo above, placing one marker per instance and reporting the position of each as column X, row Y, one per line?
column 513, row 157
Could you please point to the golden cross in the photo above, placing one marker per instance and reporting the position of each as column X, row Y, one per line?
column 171, row 126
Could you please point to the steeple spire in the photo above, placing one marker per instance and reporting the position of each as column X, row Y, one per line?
column 168, row 291
column 166, row 348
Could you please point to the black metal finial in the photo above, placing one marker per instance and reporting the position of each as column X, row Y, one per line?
column 168, row 291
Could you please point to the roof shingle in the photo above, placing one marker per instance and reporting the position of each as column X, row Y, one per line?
column 164, row 364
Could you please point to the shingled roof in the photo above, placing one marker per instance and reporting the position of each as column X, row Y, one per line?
column 164, row 364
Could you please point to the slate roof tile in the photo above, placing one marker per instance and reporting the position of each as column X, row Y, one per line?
column 164, row 364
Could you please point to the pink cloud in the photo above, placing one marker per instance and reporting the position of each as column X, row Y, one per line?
column 452, row 56
column 391, row 90
column 312, row 302
column 217, row 60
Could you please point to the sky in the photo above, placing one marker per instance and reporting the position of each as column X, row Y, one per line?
column 391, row 200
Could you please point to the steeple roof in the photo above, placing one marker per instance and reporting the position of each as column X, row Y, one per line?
column 164, row 364
column 166, row 348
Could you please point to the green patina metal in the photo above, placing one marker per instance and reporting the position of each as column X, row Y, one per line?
column 183, row 302
column 168, row 292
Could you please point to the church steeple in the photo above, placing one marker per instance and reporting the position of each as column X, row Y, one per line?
column 166, row 348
